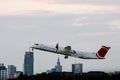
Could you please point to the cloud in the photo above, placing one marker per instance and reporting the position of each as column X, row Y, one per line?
column 17, row 31
column 27, row 12
column 115, row 24
column 30, row 7
column 98, row 33
column 11, row 7
column 101, row 2
column 96, row 20
column 83, row 8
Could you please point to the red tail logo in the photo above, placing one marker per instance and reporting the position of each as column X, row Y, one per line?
column 102, row 52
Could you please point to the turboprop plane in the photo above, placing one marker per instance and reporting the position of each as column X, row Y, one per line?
column 68, row 51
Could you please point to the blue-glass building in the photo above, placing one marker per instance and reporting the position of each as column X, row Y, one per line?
column 29, row 63
column 11, row 71
column 77, row 68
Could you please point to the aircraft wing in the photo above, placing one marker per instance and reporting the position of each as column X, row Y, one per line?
column 67, row 51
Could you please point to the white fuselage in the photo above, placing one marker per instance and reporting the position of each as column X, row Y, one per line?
column 60, row 50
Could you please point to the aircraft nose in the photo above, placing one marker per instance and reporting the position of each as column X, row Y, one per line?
column 32, row 46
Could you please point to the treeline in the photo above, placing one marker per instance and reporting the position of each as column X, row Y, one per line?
column 69, row 76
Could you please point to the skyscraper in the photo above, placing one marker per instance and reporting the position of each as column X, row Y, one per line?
column 29, row 63
column 3, row 72
column 77, row 68
column 11, row 71
column 58, row 67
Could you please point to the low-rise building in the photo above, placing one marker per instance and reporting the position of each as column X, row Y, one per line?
column 3, row 72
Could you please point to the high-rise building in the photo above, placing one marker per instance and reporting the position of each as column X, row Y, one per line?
column 11, row 71
column 29, row 63
column 77, row 68
column 58, row 67
column 3, row 72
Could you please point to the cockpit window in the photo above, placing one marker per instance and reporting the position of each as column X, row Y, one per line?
column 36, row 44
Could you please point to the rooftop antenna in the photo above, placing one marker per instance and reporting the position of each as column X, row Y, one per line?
column 29, row 45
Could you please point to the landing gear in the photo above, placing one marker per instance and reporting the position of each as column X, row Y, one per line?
column 32, row 49
column 66, row 57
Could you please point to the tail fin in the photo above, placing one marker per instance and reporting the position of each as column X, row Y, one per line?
column 102, row 52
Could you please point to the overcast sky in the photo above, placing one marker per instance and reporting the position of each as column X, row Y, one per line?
column 85, row 25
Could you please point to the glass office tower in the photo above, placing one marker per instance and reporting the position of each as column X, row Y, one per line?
column 29, row 63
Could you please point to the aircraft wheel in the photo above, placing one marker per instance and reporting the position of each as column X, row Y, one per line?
column 66, row 57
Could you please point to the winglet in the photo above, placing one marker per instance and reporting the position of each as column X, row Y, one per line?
column 102, row 52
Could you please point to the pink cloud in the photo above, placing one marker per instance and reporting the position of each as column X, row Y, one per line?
column 44, row 1
column 33, row 7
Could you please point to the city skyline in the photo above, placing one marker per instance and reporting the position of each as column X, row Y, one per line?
column 29, row 67
column 84, row 25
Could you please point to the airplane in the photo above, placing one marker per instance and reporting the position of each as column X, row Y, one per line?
column 68, row 51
